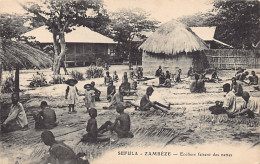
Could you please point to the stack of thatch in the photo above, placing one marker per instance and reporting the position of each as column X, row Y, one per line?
column 172, row 38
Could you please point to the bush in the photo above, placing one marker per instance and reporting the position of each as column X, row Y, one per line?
column 94, row 72
column 8, row 85
column 77, row 75
column 57, row 79
column 38, row 80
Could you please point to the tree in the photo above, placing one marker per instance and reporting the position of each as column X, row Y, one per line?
column 60, row 16
column 198, row 19
column 238, row 22
column 126, row 24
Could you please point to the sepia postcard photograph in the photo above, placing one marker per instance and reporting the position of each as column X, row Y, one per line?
column 129, row 81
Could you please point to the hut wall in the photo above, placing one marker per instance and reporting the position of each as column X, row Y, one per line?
column 150, row 64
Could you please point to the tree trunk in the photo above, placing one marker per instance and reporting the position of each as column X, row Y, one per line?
column 57, row 59
column 1, row 66
column 16, row 81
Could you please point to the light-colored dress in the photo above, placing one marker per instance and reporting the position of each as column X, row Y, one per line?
column 72, row 95
column 230, row 102
column 89, row 99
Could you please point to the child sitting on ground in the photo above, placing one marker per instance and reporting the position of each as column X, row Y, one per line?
column 94, row 134
column 115, row 77
column 111, row 90
column 46, row 118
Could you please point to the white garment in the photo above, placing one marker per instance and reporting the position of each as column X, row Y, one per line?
column 230, row 102
column 72, row 95
column 252, row 105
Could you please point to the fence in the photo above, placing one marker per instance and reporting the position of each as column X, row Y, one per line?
column 233, row 58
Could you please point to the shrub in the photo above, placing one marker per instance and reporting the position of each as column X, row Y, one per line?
column 38, row 80
column 57, row 79
column 94, row 72
column 77, row 75
column 8, row 85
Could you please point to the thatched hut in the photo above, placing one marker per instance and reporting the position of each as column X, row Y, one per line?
column 173, row 45
column 18, row 55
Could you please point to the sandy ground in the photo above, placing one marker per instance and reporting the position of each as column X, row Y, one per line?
column 188, row 126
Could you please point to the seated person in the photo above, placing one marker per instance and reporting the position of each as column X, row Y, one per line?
column 243, row 76
column 94, row 134
column 16, row 119
column 97, row 92
column 146, row 104
column 125, row 87
column 158, row 72
column 132, row 74
column 140, row 72
column 229, row 104
column 249, row 107
column 236, row 87
column 198, row 85
column 133, row 84
column 190, row 72
column 253, row 80
column 107, row 78
column 178, row 76
column 46, row 118
column 168, row 75
column 111, row 90
column 60, row 152
column 124, row 78
column 121, row 125
column 115, row 77
column 214, row 77
column 117, row 98
column 240, row 70
column 162, row 79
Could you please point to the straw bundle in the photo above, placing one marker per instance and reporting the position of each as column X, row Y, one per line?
column 172, row 38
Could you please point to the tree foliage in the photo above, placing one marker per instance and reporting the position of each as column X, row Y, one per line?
column 60, row 16
column 127, row 24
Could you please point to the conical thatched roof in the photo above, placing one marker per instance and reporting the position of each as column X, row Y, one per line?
column 20, row 54
column 172, row 38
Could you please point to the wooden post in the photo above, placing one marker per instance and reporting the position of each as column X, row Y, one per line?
column 16, row 82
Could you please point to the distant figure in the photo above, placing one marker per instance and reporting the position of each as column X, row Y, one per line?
column 167, row 83
column 253, row 79
column 240, row 70
column 60, row 152
column 178, row 76
column 71, row 94
column 140, row 72
column 111, row 90
column 132, row 74
column 236, row 87
column 16, row 119
column 107, row 78
column 250, row 106
column 214, row 76
column 190, row 72
column 89, row 97
column 125, row 87
column 162, row 79
column 197, row 86
column 97, row 92
column 168, row 75
column 146, row 104
column 124, row 78
column 106, row 67
column 243, row 76
column 94, row 134
column 46, row 118
column 115, row 77
column 158, row 71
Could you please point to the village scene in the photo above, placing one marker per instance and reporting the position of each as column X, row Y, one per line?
column 128, row 81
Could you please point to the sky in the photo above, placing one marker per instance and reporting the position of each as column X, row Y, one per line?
column 161, row 10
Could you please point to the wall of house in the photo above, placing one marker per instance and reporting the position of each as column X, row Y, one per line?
column 150, row 64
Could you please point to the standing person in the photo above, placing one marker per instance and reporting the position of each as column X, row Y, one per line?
column 89, row 97
column 236, row 87
column 97, row 92
column 124, row 78
column 16, row 119
column 158, row 71
column 178, row 77
column 250, row 106
column 46, row 118
column 107, row 78
column 115, row 77
column 111, row 90
column 140, row 72
column 253, row 79
column 72, row 94
column 146, row 104
column 60, row 153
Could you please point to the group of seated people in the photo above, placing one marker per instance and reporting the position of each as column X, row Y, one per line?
column 166, row 78
column 241, row 75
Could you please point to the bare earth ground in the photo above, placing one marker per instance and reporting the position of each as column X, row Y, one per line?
column 188, row 125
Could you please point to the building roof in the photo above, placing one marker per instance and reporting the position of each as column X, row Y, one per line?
column 207, row 34
column 78, row 35
column 172, row 38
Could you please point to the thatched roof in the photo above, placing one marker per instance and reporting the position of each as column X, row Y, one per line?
column 20, row 54
column 172, row 38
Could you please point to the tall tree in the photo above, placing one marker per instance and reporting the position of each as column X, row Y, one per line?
column 127, row 24
column 60, row 16
column 238, row 22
